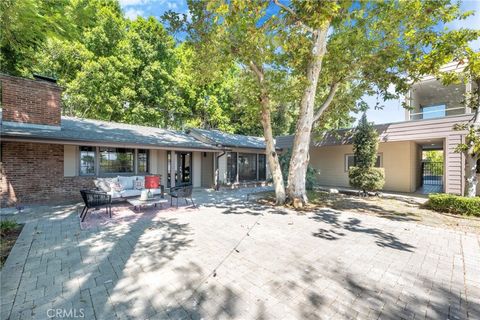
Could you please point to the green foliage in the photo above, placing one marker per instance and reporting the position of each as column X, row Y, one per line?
column 366, row 179
column 25, row 25
column 312, row 173
column 433, row 155
column 365, row 145
column 454, row 204
column 7, row 225
column 115, row 69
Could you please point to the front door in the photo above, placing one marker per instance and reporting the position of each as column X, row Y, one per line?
column 184, row 168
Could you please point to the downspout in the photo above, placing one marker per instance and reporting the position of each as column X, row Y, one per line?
column 217, row 176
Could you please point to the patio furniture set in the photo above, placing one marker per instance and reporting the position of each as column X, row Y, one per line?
column 140, row 192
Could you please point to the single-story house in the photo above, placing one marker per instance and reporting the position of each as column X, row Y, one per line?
column 49, row 157
column 433, row 111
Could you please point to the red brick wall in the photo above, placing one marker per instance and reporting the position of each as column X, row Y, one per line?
column 33, row 173
column 30, row 101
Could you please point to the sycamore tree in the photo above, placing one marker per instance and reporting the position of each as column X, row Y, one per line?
column 337, row 50
column 243, row 32
column 364, row 47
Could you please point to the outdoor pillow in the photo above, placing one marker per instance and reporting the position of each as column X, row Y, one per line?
column 152, row 182
column 103, row 184
column 116, row 187
column 126, row 182
column 140, row 183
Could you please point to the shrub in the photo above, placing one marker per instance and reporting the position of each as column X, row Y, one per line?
column 363, row 174
column 6, row 226
column 367, row 179
column 454, row 204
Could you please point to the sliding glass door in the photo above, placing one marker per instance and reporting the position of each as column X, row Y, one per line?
column 184, row 168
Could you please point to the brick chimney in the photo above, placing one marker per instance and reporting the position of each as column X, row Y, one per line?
column 31, row 101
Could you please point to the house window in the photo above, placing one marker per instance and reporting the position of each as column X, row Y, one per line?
column 262, row 167
column 231, row 167
column 116, row 160
column 142, row 161
column 169, row 169
column 478, row 166
column 87, row 161
column 247, row 166
column 350, row 161
column 431, row 112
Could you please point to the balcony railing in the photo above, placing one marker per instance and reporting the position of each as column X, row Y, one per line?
column 434, row 114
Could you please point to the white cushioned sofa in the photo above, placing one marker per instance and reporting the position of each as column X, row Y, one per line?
column 124, row 186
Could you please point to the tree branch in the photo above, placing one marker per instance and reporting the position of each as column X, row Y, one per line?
column 257, row 70
column 290, row 11
column 331, row 94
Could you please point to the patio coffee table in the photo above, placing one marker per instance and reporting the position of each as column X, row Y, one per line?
column 151, row 202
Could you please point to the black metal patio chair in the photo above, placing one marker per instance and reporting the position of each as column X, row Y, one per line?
column 95, row 199
column 184, row 191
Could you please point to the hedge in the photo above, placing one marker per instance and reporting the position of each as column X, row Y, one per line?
column 454, row 204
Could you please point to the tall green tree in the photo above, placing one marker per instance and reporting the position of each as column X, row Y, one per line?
column 237, row 31
column 363, row 174
column 360, row 46
column 25, row 25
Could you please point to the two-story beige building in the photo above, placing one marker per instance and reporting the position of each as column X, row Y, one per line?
column 428, row 125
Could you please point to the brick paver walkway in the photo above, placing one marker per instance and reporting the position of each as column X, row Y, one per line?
column 237, row 261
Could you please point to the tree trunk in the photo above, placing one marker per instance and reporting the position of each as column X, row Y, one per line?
column 471, row 176
column 296, row 190
column 271, row 154
column 470, row 156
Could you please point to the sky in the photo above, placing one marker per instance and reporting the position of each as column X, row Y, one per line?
column 392, row 111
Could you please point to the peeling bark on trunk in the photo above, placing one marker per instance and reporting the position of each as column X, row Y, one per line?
column 296, row 190
column 272, row 156
column 471, row 176
column 471, row 157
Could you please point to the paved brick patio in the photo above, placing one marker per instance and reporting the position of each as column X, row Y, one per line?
column 233, row 260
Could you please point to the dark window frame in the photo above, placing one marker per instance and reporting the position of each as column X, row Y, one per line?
column 232, row 167
column 351, row 155
column 140, row 161
column 247, row 178
column 80, row 157
column 263, row 167
column 113, row 150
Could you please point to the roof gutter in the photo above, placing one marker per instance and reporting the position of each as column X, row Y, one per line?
column 6, row 137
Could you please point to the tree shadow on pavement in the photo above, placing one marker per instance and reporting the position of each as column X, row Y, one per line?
column 338, row 229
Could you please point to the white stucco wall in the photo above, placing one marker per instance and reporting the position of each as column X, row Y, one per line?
column 399, row 162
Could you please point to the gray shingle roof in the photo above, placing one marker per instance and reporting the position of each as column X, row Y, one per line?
column 328, row 138
column 217, row 137
column 86, row 130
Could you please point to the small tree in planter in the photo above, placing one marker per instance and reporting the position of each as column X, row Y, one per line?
column 363, row 174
